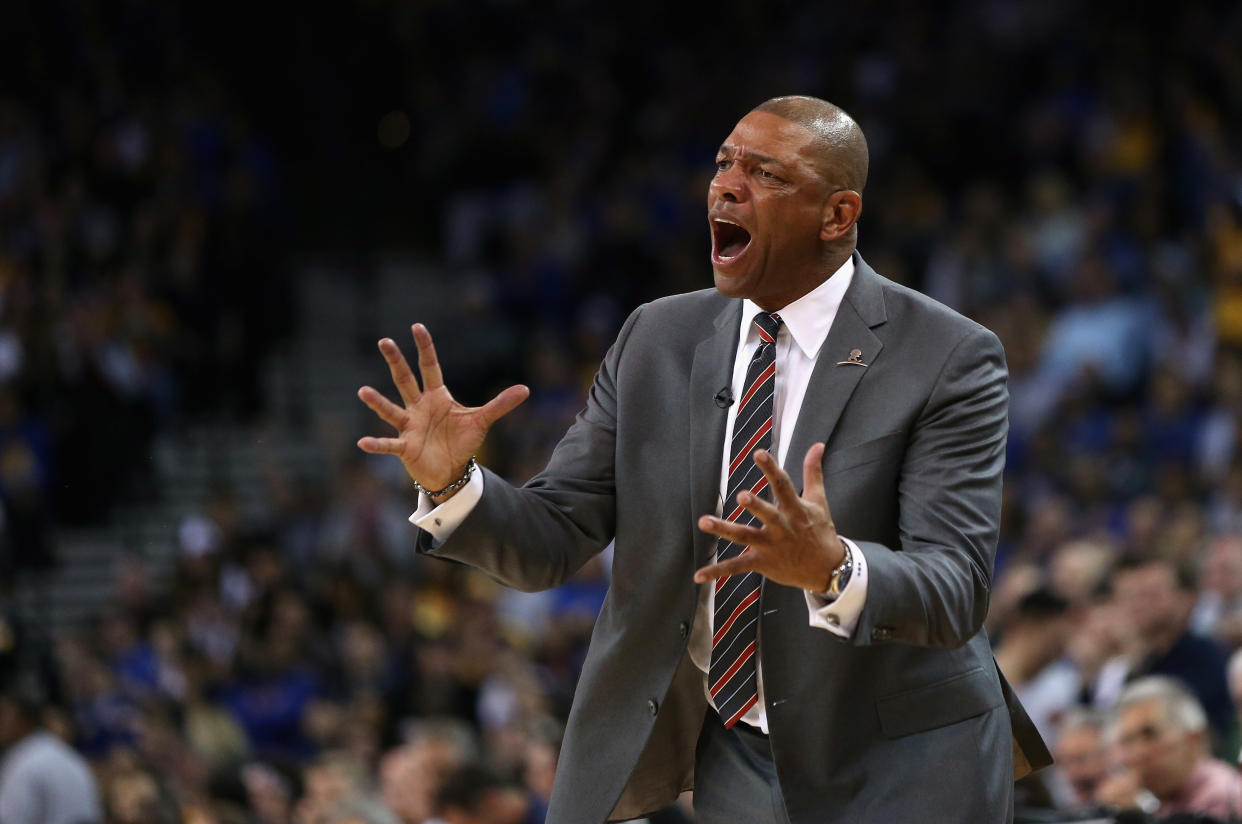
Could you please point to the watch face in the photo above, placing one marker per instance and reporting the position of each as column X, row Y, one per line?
column 839, row 581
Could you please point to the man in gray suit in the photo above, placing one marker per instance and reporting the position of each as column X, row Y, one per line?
column 796, row 652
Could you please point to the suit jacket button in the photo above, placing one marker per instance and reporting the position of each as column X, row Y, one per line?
column 882, row 633
column 653, row 706
column 684, row 629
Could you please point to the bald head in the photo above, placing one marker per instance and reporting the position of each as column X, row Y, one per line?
column 841, row 147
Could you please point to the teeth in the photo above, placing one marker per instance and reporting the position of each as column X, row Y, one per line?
column 724, row 221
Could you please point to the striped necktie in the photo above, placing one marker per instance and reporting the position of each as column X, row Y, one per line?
column 731, row 676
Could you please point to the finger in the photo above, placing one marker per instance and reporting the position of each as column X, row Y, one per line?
column 765, row 511
column 388, row 411
column 746, row 562
column 737, row 533
column 382, row 446
column 407, row 386
column 813, row 475
column 782, row 487
column 428, row 365
column 504, row 403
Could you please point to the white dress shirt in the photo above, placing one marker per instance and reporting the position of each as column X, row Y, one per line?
column 806, row 324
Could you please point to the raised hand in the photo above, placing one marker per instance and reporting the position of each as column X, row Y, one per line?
column 436, row 435
column 797, row 544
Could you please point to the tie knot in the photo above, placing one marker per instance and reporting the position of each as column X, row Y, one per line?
column 768, row 326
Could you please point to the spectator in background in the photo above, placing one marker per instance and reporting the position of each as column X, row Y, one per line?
column 1098, row 336
column 1078, row 568
column 42, row 779
column 411, row 775
column 328, row 782
column 134, row 797
column 1104, row 647
column 272, row 697
column 539, row 770
column 355, row 811
column 400, row 789
column 1157, row 596
column 1030, row 653
column 336, row 793
column 269, row 793
column 1218, row 611
column 1081, row 753
column 1218, row 442
column 1234, row 751
column 473, row 794
column 1162, row 735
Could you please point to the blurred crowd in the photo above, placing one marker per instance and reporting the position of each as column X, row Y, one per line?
column 138, row 274
column 1069, row 177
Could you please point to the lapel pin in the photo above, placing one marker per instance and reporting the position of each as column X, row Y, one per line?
column 855, row 359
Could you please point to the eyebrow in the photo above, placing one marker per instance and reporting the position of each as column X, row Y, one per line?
column 725, row 148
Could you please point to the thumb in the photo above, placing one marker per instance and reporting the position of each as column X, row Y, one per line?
column 813, row 475
column 504, row 403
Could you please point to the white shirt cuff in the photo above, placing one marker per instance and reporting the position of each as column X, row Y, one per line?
column 840, row 616
column 440, row 521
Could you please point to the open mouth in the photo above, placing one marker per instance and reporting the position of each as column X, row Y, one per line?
column 728, row 240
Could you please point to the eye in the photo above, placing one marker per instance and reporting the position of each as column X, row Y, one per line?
column 765, row 174
column 722, row 164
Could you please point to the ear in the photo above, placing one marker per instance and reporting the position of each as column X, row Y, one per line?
column 841, row 211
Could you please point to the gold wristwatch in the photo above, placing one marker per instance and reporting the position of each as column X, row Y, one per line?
column 841, row 575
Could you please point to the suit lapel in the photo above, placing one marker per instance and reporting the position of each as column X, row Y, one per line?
column 832, row 382
column 712, row 369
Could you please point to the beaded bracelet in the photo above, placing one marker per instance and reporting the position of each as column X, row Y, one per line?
column 454, row 486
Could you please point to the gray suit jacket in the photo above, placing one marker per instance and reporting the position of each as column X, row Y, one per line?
column 909, row 719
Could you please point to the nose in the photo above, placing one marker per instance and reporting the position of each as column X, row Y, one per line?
column 729, row 184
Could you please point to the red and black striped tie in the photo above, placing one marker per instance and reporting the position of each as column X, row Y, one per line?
column 731, row 676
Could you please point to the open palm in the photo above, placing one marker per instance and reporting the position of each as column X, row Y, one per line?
column 436, row 435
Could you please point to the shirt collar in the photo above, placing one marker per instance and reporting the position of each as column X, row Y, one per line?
column 809, row 318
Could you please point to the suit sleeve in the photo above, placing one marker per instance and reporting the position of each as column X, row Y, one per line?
column 536, row 536
column 933, row 589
